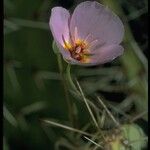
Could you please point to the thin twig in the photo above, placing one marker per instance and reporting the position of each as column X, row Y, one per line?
column 109, row 113
column 66, row 127
column 93, row 142
column 87, row 105
column 138, row 116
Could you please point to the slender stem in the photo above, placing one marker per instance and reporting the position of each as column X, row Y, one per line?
column 67, row 127
column 78, row 92
column 138, row 116
column 93, row 142
column 87, row 105
column 69, row 104
column 109, row 113
column 71, row 83
column 70, row 79
column 89, row 109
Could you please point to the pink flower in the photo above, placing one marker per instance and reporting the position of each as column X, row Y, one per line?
column 90, row 36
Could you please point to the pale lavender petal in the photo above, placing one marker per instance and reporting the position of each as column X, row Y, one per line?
column 92, row 18
column 59, row 24
column 106, row 54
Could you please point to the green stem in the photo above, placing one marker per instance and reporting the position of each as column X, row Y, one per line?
column 71, row 83
column 69, row 104
column 76, row 90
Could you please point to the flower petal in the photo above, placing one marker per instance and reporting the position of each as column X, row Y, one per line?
column 92, row 18
column 106, row 53
column 59, row 24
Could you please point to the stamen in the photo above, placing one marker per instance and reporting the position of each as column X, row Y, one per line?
column 71, row 39
column 65, row 43
column 78, row 50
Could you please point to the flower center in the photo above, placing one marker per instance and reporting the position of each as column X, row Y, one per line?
column 78, row 50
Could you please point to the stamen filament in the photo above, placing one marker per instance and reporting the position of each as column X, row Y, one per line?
column 65, row 43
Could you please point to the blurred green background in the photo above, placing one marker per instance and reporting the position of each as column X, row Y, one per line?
column 32, row 87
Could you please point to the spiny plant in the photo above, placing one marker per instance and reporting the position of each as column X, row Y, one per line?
column 105, row 130
column 122, row 136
